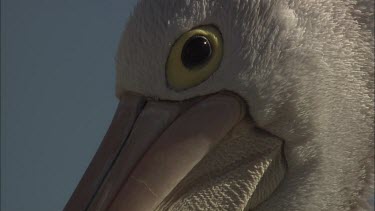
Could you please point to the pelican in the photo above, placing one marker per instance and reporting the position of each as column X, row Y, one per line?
column 238, row 105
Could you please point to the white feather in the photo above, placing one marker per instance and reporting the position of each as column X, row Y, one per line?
column 305, row 68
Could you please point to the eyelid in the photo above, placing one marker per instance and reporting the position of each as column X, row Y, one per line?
column 179, row 77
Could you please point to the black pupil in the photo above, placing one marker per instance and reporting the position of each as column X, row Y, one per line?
column 197, row 51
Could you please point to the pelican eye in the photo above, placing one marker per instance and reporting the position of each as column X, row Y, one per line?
column 194, row 57
column 197, row 51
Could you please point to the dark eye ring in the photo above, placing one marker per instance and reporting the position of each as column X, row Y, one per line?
column 196, row 52
column 194, row 57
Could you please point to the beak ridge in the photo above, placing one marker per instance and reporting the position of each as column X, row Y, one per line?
column 152, row 144
column 107, row 152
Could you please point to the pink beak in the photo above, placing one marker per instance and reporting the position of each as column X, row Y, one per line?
column 150, row 147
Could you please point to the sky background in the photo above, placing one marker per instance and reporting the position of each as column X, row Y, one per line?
column 57, row 95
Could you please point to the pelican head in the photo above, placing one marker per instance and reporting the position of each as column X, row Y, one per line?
column 238, row 105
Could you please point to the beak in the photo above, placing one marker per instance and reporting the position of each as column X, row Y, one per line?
column 150, row 147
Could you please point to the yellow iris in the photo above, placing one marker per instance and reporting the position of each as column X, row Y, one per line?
column 181, row 76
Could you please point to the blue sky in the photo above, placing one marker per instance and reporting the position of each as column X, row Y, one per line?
column 57, row 94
